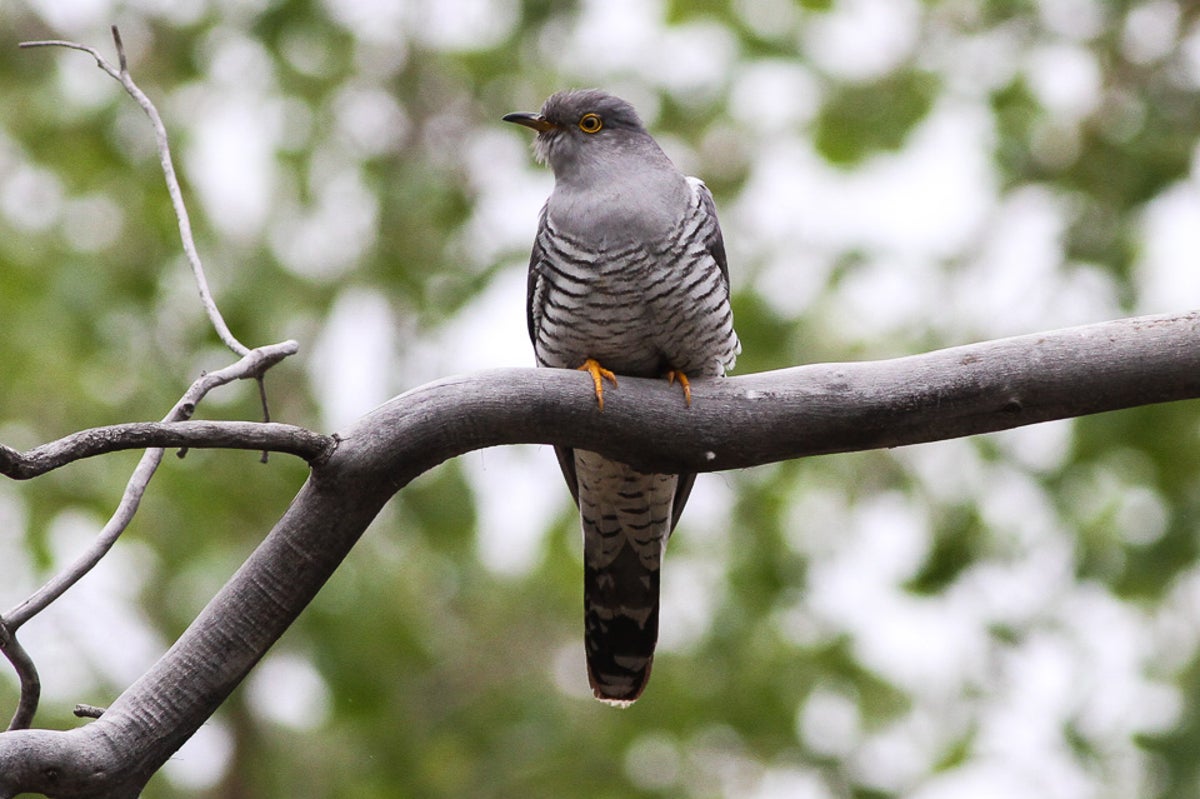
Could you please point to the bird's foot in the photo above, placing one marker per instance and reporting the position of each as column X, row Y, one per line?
column 684, row 383
column 599, row 375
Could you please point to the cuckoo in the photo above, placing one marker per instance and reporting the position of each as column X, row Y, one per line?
column 627, row 277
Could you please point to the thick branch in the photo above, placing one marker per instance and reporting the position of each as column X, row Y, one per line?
column 732, row 423
column 807, row 410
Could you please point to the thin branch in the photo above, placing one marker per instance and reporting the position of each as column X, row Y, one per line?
column 122, row 75
column 100, row 62
column 135, row 488
column 265, row 436
column 86, row 711
column 27, row 675
column 121, row 60
column 266, row 410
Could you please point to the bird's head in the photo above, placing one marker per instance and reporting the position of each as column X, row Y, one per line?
column 574, row 125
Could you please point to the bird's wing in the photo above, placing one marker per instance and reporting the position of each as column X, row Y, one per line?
column 683, row 490
column 566, row 462
column 714, row 242
column 532, row 307
column 711, row 229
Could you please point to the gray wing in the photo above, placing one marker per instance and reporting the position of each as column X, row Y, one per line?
column 714, row 241
column 533, row 311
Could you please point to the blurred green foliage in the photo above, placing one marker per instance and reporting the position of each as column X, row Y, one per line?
column 856, row 625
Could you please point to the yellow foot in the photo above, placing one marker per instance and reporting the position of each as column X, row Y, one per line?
column 598, row 373
column 686, row 384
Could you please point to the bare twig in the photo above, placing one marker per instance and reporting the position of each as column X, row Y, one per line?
column 27, row 674
column 121, row 74
column 85, row 711
column 266, row 412
column 265, row 436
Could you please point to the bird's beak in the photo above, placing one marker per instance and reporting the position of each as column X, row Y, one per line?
column 535, row 121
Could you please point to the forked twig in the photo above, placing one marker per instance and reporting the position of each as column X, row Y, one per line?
column 248, row 367
column 251, row 366
column 122, row 75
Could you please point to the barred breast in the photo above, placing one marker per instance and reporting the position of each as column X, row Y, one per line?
column 638, row 307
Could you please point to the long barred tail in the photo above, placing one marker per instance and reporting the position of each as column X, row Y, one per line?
column 621, row 626
column 626, row 518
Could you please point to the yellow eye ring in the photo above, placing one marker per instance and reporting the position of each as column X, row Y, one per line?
column 590, row 123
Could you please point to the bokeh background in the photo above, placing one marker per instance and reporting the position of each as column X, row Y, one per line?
column 1009, row 615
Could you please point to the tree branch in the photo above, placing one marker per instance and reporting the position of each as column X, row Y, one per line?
column 268, row 436
column 27, row 675
column 732, row 423
column 93, row 442
column 818, row 409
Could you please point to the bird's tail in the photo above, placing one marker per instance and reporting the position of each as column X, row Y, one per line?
column 626, row 517
column 621, row 618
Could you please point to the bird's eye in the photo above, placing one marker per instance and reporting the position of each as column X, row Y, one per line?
column 590, row 123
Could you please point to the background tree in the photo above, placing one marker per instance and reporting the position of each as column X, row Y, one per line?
column 1008, row 611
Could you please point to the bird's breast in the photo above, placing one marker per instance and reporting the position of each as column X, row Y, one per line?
column 629, row 283
column 621, row 205
column 608, row 222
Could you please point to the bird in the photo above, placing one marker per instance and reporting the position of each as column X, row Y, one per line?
column 628, row 276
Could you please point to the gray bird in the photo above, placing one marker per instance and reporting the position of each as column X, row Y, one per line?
column 627, row 277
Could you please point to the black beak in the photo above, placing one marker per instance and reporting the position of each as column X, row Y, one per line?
column 535, row 121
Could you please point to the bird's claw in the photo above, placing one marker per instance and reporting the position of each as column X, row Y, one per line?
column 684, row 383
column 599, row 374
